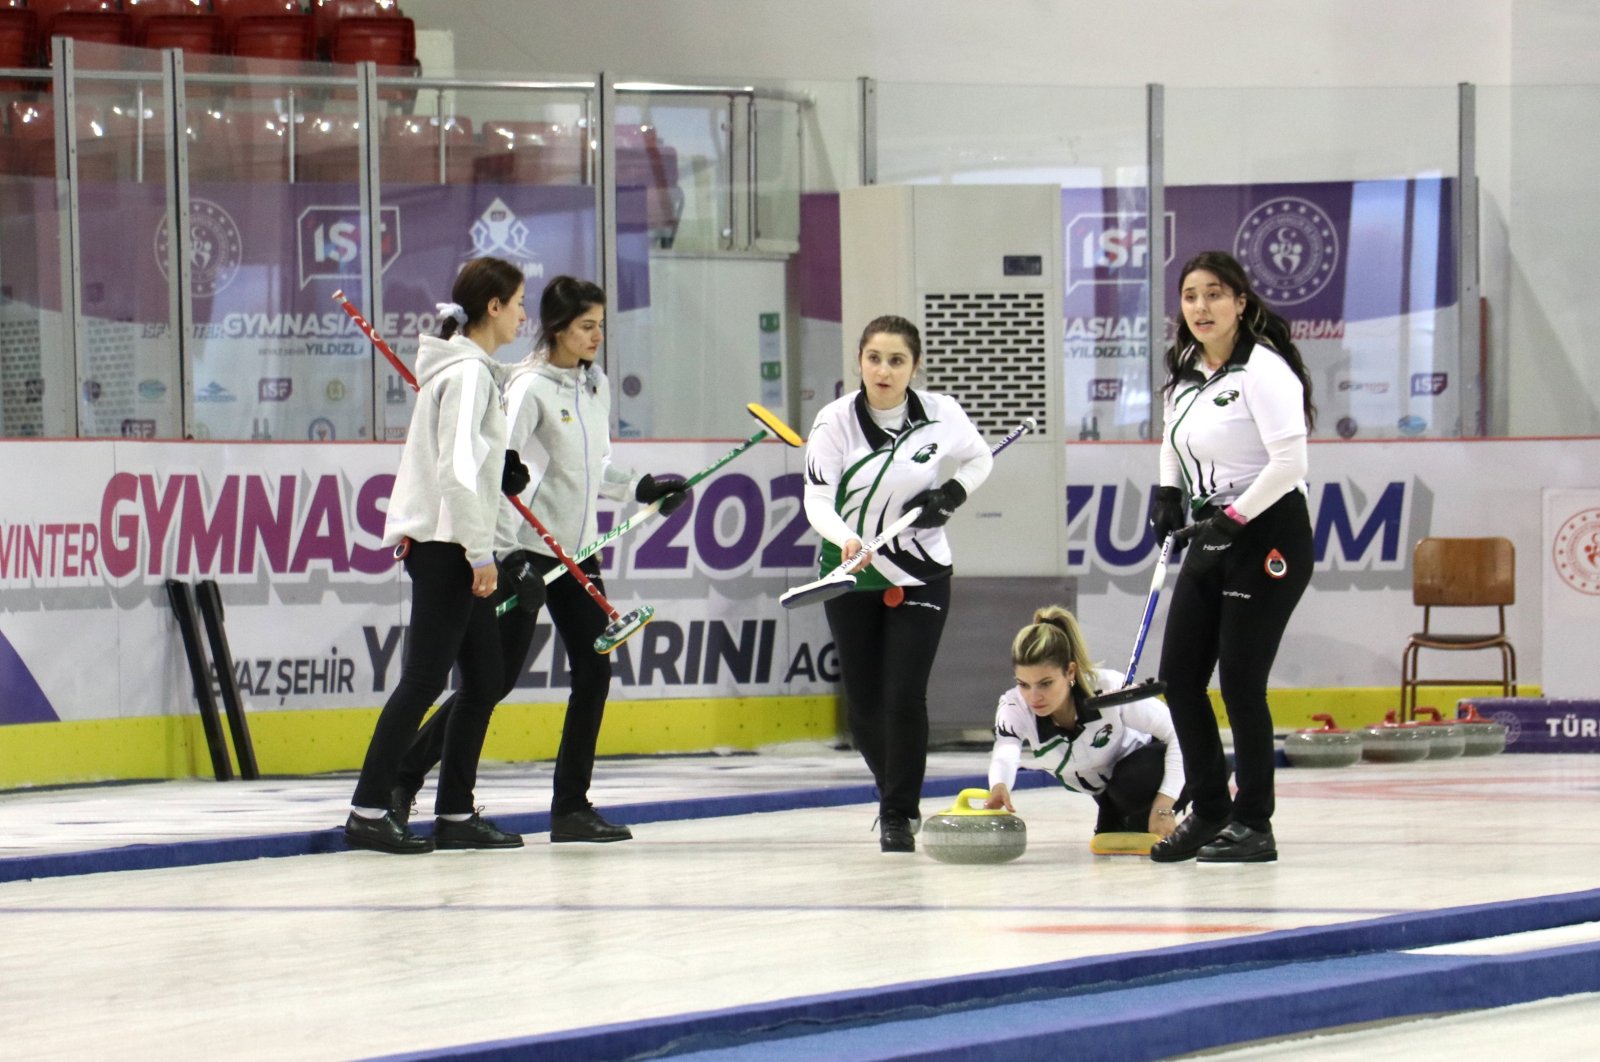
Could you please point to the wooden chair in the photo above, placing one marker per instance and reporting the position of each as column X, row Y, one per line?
column 1460, row 573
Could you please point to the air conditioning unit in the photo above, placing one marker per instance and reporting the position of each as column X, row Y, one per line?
column 977, row 268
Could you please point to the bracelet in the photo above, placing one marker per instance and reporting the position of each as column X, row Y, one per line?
column 1167, row 813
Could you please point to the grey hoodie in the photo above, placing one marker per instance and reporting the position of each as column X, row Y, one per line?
column 561, row 427
column 448, row 486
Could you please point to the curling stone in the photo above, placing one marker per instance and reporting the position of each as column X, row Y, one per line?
column 1481, row 737
column 1392, row 742
column 1444, row 740
column 972, row 833
column 1324, row 746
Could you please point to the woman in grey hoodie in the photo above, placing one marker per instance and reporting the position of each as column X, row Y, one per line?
column 558, row 405
column 441, row 521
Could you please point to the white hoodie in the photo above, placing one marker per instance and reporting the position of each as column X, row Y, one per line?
column 448, row 486
column 560, row 425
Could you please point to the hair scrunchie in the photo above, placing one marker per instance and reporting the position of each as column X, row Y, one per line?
column 452, row 309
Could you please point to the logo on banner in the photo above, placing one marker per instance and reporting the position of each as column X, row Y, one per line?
column 1105, row 389
column 321, row 430
column 151, row 390
column 1411, row 425
column 138, row 429
column 501, row 233
column 1428, row 384
column 1369, row 387
column 274, row 389
column 329, row 239
column 395, row 391
column 1289, row 248
column 215, row 392
column 1112, row 248
column 1576, row 552
column 216, row 250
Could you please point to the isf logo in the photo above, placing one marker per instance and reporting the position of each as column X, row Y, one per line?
column 1428, row 384
column 274, row 389
column 1105, row 390
column 1111, row 248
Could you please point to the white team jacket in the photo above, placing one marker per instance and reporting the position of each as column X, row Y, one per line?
column 1082, row 760
column 560, row 426
column 448, row 486
column 864, row 475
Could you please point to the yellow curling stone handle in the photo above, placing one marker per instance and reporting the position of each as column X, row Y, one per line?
column 964, row 804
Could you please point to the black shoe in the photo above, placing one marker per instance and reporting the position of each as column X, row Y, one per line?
column 476, row 832
column 1192, row 834
column 586, row 825
column 1240, row 844
column 383, row 835
column 894, row 833
column 402, row 802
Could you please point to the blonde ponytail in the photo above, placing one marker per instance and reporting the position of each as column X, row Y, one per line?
column 1053, row 638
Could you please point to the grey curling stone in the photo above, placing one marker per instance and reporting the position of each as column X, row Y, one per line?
column 1444, row 740
column 968, row 834
column 1324, row 746
column 1480, row 736
column 1392, row 742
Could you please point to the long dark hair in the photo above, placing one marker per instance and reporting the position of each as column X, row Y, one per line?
column 480, row 281
column 565, row 299
column 1257, row 321
column 894, row 326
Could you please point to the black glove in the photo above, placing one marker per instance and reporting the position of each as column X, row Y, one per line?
column 937, row 504
column 514, row 477
column 519, row 576
column 671, row 492
column 1212, row 539
column 1167, row 513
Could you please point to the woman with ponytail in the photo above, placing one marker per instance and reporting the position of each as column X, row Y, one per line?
column 441, row 521
column 1233, row 456
column 1124, row 756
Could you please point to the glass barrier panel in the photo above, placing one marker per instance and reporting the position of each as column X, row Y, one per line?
column 35, row 391
column 473, row 171
column 274, row 187
column 1341, row 206
column 977, row 255
column 128, row 350
column 709, row 220
column 1538, row 149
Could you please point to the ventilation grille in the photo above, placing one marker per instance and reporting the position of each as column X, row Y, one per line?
column 21, row 381
column 989, row 351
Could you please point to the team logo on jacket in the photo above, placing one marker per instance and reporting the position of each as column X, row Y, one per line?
column 1225, row 397
column 1102, row 737
column 924, row 455
column 1276, row 566
column 566, row 416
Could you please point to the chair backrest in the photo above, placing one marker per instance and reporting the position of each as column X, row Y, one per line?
column 1471, row 572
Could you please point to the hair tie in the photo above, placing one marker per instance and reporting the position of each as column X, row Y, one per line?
column 452, row 309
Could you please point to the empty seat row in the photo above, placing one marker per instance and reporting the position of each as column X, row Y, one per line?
column 341, row 31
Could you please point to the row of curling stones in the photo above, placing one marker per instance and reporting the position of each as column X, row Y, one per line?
column 1392, row 741
column 971, row 833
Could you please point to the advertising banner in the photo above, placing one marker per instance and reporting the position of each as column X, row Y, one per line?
column 1570, row 569
column 317, row 609
column 1362, row 271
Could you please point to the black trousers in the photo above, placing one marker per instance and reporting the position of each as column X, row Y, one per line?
column 1126, row 800
column 579, row 620
column 886, row 655
column 449, row 626
column 1231, row 620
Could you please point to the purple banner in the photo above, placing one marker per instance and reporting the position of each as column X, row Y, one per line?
column 1535, row 724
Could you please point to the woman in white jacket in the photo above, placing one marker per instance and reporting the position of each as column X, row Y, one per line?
column 1125, row 756
column 441, row 521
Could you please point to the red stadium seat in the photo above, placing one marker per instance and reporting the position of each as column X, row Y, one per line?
column 520, row 152
column 30, row 144
column 227, row 146
column 326, row 149
column 409, row 151
column 95, row 21
column 19, row 35
column 267, row 29
column 186, row 24
column 105, row 146
column 643, row 162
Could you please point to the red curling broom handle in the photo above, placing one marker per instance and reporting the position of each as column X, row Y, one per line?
column 377, row 340
column 561, row 555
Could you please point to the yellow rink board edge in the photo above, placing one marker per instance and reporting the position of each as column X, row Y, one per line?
column 320, row 741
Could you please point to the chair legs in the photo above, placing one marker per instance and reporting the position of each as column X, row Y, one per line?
column 1409, row 681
